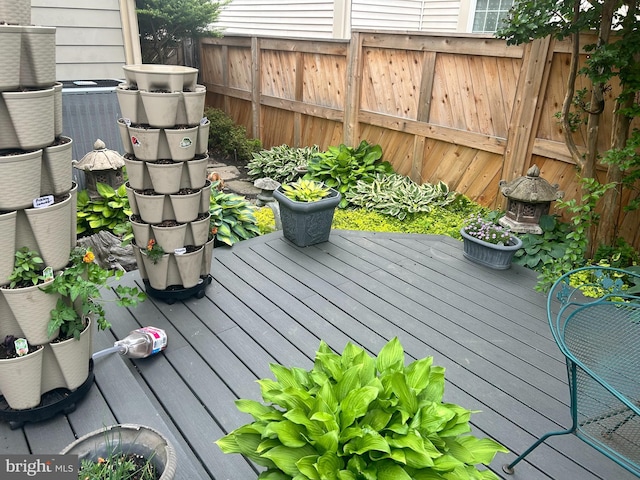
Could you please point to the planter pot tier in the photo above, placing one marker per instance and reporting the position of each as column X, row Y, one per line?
column 170, row 237
column 48, row 230
column 123, row 129
column 146, row 143
column 195, row 173
column 186, row 207
column 22, row 170
column 124, row 438
column 7, row 245
column 165, row 176
column 160, row 108
column 20, row 380
column 11, row 41
column 73, row 357
column 493, row 256
column 182, row 142
column 20, row 127
column 30, row 308
column 57, row 170
column 191, row 106
column 174, row 78
column 16, row 12
column 203, row 136
column 198, row 230
column 151, row 207
column 307, row 223
column 130, row 104
column 189, row 267
column 141, row 230
column 138, row 174
column 38, row 57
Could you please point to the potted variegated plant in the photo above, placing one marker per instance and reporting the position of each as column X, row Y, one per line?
column 353, row 416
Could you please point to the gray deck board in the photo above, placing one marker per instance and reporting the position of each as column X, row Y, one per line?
column 270, row 301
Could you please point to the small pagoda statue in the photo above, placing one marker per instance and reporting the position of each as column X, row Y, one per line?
column 528, row 198
column 101, row 165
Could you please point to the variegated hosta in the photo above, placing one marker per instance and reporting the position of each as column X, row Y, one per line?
column 355, row 417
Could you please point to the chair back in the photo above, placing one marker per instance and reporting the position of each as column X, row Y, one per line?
column 594, row 315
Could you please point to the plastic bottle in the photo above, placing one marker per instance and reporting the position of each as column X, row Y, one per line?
column 143, row 342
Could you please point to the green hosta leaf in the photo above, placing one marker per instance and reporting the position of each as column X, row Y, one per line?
column 349, row 381
column 326, row 400
column 287, row 377
column 328, row 420
column 327, row 443
column 289, row 433
column 482, row 450
column 273, row 475
column 388, row 470
column 258, row 411
column 418, row 372
column 377, row 419
column 407, row 399
column 391, row 357
column 299, row 416
column 446, row 463
column 285, row 458
column 434, row 417
column 435, row 388
column 370, row 441
column 105, row 191
column 328, row 465
column 356, row 404
column 307, row 467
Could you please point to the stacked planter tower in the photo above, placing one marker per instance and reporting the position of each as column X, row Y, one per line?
column 165, row 137
column 37, row 211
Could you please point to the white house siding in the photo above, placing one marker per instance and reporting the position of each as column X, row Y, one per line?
column 291, row 18
column 89, row 38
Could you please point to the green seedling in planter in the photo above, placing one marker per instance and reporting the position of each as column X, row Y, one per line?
column 305, row 190
column 27, row 269
column 356, row 417
column 341, row 167
column 109, row 212
column 232, row 217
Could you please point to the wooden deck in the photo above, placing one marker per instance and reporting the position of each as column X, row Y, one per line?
column 272, row 302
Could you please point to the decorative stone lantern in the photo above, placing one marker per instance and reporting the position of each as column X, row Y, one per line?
column 528, row 198
column 101, row 165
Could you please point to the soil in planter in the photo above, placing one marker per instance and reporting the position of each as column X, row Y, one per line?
column 168, row 223
column 126, row 466
column 148, row 191
column 164, row 161
column 187, row 191
column 14, row 152
column 8, row 349
column 60, row 141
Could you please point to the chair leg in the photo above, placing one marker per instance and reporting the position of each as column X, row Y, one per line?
column 509, row 468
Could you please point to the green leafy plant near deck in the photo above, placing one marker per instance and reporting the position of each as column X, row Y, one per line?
column 398, row 195
column 280, row 162
column 228, row 139
column 342, row 167
column 356, row 417
column 232, row 216
column 109, row 212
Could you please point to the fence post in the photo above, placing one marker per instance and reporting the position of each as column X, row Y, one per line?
column 256, row 117
column 523, row 126
column 354, row 80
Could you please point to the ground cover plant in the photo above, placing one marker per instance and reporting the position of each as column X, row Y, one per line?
column 353, row 416
column 226, row 139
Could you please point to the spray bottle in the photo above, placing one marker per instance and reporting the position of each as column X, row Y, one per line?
column 140, row 343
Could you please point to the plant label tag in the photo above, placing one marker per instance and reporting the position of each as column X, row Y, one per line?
column 41, row 202
column 185, row 142
column 180, row 251
column 204, row 120
column 22, row 347
column 127, row 121
column 47, row 273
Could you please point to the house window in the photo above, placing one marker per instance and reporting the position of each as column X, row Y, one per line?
column 489, row 15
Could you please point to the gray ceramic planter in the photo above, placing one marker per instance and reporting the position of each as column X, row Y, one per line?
column 488, row 254
column 307, row 223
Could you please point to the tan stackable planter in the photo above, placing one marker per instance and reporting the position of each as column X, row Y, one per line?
column 182, row 142
column 47, row 231
column 16, row 12
column 165, row 177
column 198, row 231
column 31, row 308
column 160, row 108
column 189, row 266
column 145, row 142
column 11, row 41
column 24, row 170
column 7, row 244
column 20, row 380
column 191, row 106
column 57, row 170
column 24, row 131
column 141, row 231
column 151, row 207
column 170, row 238
column 73, row 357
column 138, row 173
column 195, row 173
column 185, row 207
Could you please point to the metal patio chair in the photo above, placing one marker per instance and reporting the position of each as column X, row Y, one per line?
column 596, row 324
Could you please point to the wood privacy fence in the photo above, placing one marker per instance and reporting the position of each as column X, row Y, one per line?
column 466, row 110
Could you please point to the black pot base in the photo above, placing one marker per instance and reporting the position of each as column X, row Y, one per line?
column 59, row 400
column 172, row 294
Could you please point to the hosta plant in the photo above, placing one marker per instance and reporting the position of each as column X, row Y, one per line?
column 398, row 195
column 110, row 211
column 232, row 217
column 354, row 417
column 280, row 162
column 342, row 167
column 305, row 190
